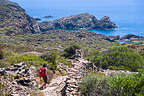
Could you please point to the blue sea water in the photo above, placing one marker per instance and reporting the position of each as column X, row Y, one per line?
column 127, row 14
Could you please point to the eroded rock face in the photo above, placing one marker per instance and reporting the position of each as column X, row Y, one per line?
column 80, row 21
column 14, row 20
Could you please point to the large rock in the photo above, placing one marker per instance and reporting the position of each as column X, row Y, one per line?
column 80, row 21
column 14, row 20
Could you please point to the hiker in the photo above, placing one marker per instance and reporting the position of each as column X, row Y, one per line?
column 43, row 74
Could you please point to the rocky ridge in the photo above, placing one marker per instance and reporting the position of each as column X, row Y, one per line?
column 14, row 19
column 80, row 21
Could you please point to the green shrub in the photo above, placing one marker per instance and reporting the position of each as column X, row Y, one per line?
column 51, row 58
column 27, row 59
column 118, row 85
column 64, row 61
column 95, row 56
column 119, row 58
column 70, row 51
column 127, row 85
column 89, row 82
column 142, row 53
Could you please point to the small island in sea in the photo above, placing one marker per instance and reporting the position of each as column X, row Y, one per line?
column 48, row 16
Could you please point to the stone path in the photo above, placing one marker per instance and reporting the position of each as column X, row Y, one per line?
column 67, row 85
column 75, row 74
column 55, row 87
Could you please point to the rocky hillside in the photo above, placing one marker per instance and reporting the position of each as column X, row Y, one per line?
column 80, row 21
column 14, row 20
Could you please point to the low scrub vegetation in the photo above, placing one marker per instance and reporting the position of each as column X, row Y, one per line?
column 64, row 61
column 118, row 58
column 70, row 51
column 51, row 58
column 118, row 85
column 27, row 59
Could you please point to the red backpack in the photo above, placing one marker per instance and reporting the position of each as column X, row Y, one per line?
column 42, row 72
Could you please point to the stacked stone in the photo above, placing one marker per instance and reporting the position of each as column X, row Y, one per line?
column 20, row 79
column 74, row 76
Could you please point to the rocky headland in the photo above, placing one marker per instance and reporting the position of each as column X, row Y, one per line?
column 14, row 20
column 80, row 21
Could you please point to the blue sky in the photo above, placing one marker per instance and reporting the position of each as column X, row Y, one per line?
column 75, row 3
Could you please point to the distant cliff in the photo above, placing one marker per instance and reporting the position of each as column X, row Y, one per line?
column 80, row 21
column 14, row 19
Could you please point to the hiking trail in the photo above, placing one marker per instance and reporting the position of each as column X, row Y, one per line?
column 67, row 85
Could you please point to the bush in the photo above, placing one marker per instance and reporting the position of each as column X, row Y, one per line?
column 51, row 58
column 27, row 59
column 95, row 56
column 122, row 58
column 119, row 85
column 127, row 85
column 70, row 51
column 65, row 61
column 89, row 83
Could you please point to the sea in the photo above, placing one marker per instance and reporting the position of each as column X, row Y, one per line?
column 127, row 14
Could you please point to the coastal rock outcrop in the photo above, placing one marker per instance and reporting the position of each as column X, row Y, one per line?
column 131, row 37
column 14, row 20
column 80, row 21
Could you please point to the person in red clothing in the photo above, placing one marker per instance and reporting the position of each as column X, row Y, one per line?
column 43, row 74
